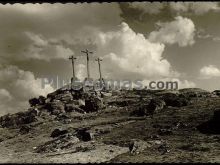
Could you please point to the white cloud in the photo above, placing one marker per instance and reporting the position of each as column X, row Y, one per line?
column 43, row 50
column 19, row 87
column 5, row 95
column 198, row 8
column 180, row 31
column 131, row 55
column 209, row 71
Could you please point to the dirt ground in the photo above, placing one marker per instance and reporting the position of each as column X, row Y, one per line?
column 169, row 136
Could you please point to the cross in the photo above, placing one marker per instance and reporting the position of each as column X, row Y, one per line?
column 87, row 54
column 73, row 59
column 100, row 73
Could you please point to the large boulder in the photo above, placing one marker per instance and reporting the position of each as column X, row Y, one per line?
column 42, row 100
column 93, row 103
column 212, row 126
column 57, row 132
column 34, row 102
column 175, row 101
column 83, row 134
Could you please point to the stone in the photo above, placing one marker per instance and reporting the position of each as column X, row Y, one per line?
column 83, row 134
column 42, row 100
column 34, row 102
column 55, row 107
column 57, row 132
column 93, row 104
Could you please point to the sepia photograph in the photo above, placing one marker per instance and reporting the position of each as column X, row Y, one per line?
column 110, row 82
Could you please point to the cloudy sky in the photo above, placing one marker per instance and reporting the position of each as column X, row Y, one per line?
column 141, row 40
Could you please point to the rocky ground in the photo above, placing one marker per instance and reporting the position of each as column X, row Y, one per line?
column 114, row 126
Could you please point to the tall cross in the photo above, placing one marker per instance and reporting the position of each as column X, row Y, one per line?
column 73, row 59
column 100, row 73
column 87, row 54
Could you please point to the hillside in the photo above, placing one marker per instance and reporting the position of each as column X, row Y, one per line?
column 114, row 126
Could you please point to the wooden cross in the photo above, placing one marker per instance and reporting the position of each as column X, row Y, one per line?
column 100, row 73
column 73, row 59
column 87, row 54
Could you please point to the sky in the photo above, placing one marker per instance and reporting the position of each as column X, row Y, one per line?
column 169, row 41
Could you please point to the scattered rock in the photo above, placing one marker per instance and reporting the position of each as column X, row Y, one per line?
column 57, row 132
column 83, row 134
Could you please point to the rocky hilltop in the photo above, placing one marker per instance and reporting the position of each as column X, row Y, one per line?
column 114, row 126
